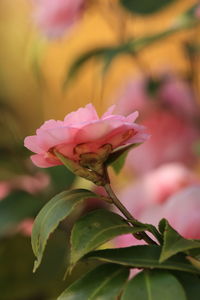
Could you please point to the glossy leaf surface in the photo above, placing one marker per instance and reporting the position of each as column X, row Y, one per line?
column 95, row 229
column 104, row 282
column 146, row 256
column 154, row 285
column 174, row 242
column 57, row 209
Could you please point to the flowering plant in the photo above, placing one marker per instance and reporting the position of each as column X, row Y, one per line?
column 142, row 56
column 83, row 141
column 87, row 145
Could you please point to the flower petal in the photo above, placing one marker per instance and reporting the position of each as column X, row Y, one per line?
column 40, row 161
column 108, row 112
column 82, row 115
column 97, row 130
column 56, row 136
column 51, row 124
column 132, row 117
column 31, row 142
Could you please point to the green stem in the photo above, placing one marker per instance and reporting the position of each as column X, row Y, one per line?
column 126, row 213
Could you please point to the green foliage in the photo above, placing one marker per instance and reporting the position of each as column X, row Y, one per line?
column 15, row 208
column 95, row 229
column 82, row 59
column 191, row 284
column 149, row 228
column 164, row 266
column 145, row 7
column 146, row 256
column 119, row 163
column 90, row 166
column 174, row 243
column 51, row 215
column 132, row 46
column 109, row 53
column 105, row 282
column 118, row 157
column 154, row 285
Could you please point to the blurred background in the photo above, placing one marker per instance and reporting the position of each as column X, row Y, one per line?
column 140, row 56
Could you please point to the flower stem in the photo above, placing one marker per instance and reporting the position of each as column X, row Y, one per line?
column 127, row 214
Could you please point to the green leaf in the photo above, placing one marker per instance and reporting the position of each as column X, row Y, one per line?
column 191, row 284
column 17, row 207
column 95, row 229
column 109, row 53
column 117, row 158
column 150, row 228
column 84, row 171
column 57, row 209
column 119, row 163
column 145, row 7
column 174, row 243
column 104, row 282
column 81, row 60
column 154, row 285
column 146, row 256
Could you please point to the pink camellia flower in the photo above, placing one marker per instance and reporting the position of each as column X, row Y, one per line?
column 54, row 17
column 170, row 92
column 177, row 95
column 182, row 210
column 133, row 96
column 172, row 140
column 82, row 132
column 156, row 187
column 169, row 111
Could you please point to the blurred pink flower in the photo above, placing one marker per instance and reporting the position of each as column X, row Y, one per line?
column 169, row 92
column 172, row 140
column 177, row 95
column 133, row 96
column 152, row 198
column 156, row 187
column 25, row 227
column 182, row 210
column 27, row 183
column 82, row 132
column 169, row 110
column 30, row 184
column 54, row 17
column 4, row 189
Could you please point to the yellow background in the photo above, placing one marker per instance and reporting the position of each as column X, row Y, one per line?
column 37, row 100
